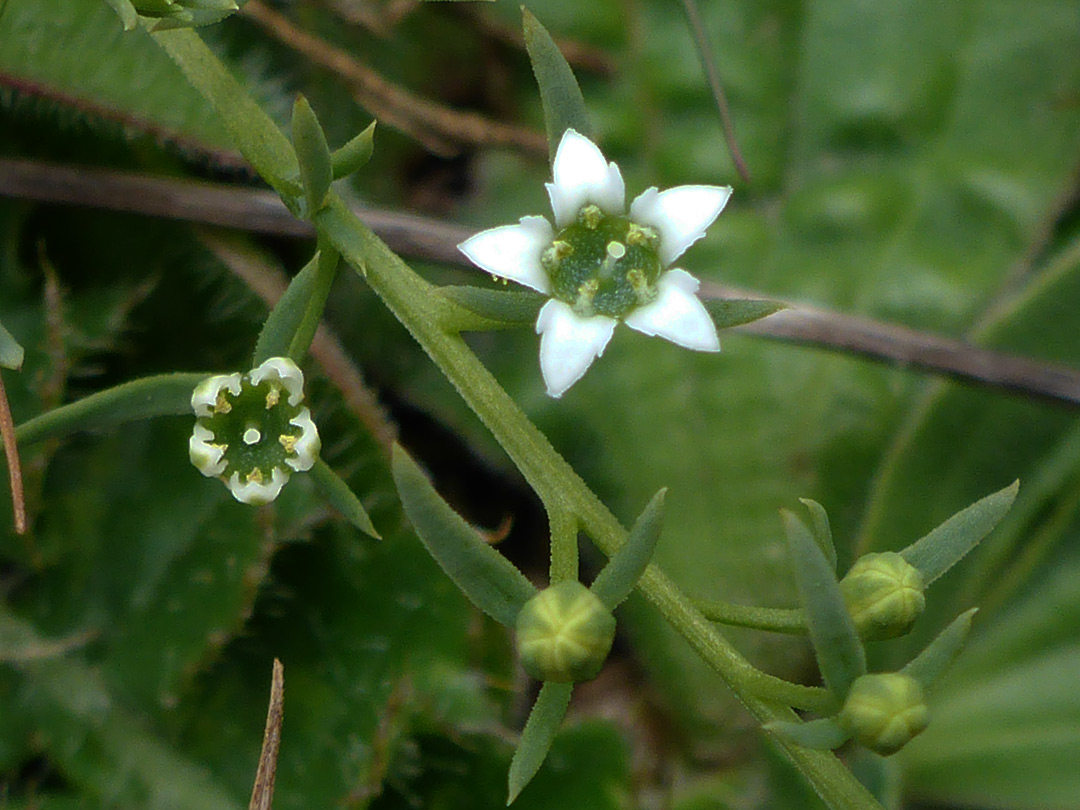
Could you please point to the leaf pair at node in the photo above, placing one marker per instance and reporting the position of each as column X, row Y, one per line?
column 318, row 166
column 564, row 632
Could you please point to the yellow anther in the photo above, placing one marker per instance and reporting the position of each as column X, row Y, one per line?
column 222, row 405
column 273, row 397
column 255, row 476
column 640, row 235
column 590, row 216
column 288, row 442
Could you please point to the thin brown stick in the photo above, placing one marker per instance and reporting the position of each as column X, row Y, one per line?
column 418, row 237
column 440, row 129
column 262, row 794
column 11, row 452
column 712, row 73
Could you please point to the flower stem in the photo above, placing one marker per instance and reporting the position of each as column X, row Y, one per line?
column 564, row 544
column 773, row 620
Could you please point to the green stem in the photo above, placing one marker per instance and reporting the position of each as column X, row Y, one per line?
column 564, row 544
column 422, row 311
column 774, row 620
column 325, row 273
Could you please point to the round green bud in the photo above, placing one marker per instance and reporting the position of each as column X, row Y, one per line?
column 564, row 633
column 603, row 265
column 884, row 595
column 884, row 711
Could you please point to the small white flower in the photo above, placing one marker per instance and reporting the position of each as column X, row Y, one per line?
column 600, row 265
column 251, row 430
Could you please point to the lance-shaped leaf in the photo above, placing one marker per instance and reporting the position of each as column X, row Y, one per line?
column 285, row 318
column 355, row 154
column 822, row 734
column 819, row 527
column 564, row 106
column 543, row 724
column 485, row 576
column 11, row 353
column 614, row 583
column 495, row 308
column 161, row 395
column 928, row 665
column 342, row 498
column 839, row 652
column 946, row 545
column 728, row 312
column 312, row 154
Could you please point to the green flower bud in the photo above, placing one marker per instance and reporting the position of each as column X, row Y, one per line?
column 564, row 633
column 884, row 711
column 252, row 431
column 884, row 594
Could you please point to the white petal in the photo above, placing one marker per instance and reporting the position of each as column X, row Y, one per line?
column 582, row 175
column 677, row 314
column 681, row 214
column 568, row 344
column 308, row 445
column 204, row 454
column 284, row 371
column 257, row 494
column 513, row 251
column 204, row 397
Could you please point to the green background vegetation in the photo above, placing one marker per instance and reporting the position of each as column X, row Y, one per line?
column 914, row 162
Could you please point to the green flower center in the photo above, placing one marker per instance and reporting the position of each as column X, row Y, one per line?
column 603, row 265
column 254, row 426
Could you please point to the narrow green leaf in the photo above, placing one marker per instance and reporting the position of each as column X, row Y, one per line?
column 342, row 498
column 284, row 319
column 614, row 583
column 928, row 665
column 161, row 395
column 507, row 308
column 564, row 106
column 946, row 545
column 819, row 527
column 11, row 353
column 312, row 153
column 124, row 10
column 728, row 312
column 543, row 724
column 839, row 652
column 355, row 154
column 823, row 734
column 490, row 581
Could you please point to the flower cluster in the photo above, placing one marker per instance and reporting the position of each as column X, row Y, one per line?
column 252, row 431
column 601, row 265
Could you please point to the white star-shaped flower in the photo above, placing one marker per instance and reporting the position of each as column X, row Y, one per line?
column 601, row 265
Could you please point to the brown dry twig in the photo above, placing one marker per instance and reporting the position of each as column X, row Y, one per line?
column 419, row 237
column 11, row 452
column 262, row 794
column 440, row 129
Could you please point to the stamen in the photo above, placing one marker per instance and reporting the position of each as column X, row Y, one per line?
column 273, row 397
column 222, row 405
column 288, row 442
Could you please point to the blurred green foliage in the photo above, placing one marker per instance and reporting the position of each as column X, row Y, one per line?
column 912, row 161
